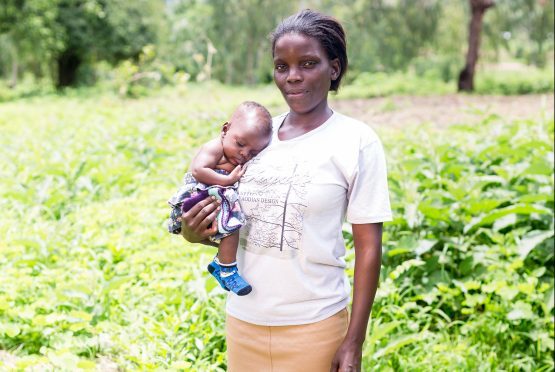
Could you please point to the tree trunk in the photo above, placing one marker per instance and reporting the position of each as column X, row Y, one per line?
column 68, row 63
column 466, row 76
column 14, row 73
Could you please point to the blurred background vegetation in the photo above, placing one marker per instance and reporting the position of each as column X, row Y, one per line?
column 104, row 102
column 136, row 46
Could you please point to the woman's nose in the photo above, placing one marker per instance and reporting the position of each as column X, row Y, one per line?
column 294, row 74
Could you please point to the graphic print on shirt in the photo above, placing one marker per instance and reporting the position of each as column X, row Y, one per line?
column 274, row 200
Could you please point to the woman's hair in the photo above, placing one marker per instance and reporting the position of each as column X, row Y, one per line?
column 327, row 30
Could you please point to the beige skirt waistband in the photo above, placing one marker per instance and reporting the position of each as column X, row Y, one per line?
column 307, row 347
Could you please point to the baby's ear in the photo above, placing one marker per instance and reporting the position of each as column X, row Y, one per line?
column 225, row 128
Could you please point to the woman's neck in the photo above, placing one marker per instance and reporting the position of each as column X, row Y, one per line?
column 296, row 124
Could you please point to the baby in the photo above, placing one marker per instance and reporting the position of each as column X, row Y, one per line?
column 215, row 171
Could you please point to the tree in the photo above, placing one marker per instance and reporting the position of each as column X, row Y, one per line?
column 110, row 30
column 28, row 36
column 236, row 30
column 524, row 28
column 478, row 8
column 57, row 37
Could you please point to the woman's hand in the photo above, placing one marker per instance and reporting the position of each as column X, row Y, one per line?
column 347, row 358
column 196, row 224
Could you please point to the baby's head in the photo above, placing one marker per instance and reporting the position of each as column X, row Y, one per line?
column 247, row 133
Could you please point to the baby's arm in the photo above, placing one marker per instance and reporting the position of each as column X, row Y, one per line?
column 206, row 160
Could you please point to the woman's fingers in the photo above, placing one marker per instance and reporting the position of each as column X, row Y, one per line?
column 204, row 228
column 201, row 215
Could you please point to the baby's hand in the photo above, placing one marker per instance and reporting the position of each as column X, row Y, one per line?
column 237, row 173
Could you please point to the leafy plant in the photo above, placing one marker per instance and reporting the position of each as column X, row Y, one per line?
column 89, row 278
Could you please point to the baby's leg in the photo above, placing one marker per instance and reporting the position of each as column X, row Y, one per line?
column 229, row 276
column 228, row 248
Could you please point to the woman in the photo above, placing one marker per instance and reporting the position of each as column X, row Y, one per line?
column 320, row 168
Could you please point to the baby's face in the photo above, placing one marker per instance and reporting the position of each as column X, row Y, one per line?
column 242, row 139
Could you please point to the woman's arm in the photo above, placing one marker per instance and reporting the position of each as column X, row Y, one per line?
column 198, row 223
column 368, row 254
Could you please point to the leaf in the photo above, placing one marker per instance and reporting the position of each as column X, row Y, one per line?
column 531, row 241
column 397, row 344
column 505, row 221
column 86, row 364
column 381, row 330
column 507, row 293
column 540, row 166
column 411, row 215
column 434, row 212
column 550, row 299
column 534, row 198
column 482, row 205
column 424, row 246
column 181, row 365
column 199, row 344
column 11, row 330
column 521, row 310
column 4, row 304
column 79, row 316
column 64, row 360
column 489, row 218
column 466, row 265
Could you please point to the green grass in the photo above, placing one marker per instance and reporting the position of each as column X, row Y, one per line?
column 487, row 82
column 88, row 272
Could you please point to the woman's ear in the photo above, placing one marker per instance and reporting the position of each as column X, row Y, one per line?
column 335, row 69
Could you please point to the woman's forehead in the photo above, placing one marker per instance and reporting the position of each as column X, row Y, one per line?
column 294, row 42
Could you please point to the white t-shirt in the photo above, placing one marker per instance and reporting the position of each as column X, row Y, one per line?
column 296, row 195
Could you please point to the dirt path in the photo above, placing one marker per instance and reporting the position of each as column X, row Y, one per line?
column 441, row 111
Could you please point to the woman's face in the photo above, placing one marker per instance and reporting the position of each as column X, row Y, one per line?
column 303, row 72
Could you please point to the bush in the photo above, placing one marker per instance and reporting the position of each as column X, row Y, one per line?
column 515, row 82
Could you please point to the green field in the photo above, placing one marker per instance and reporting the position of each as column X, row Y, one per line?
column 90, row 279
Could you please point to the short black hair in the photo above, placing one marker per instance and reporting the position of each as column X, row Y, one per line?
column 327, row 30
column 266, row 127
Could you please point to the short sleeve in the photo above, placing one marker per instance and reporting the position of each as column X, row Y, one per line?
column 368, row 194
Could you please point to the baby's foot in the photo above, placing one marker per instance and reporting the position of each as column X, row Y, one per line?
column 233, row 281
column 214, row 269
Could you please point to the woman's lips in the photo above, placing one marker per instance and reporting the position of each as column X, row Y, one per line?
column 295, row 93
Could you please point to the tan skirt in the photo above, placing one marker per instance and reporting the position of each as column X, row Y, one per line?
column 307, row 347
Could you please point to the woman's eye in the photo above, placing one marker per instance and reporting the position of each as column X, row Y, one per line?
column 309, row 64
column 240, row 144
column 280, row 68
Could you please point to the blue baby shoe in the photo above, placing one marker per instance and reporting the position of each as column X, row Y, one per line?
column 214, row 269
column 233, row 281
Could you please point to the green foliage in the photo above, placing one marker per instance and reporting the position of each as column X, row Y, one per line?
column 516, row 82
column 390, row 34
column 55, row 38
column 430, row 80
column 63, row 41
column 224, row 40
column 368, row 85
column 145, row 76
column 467, row 280
column 90, row 277
column 524, row 28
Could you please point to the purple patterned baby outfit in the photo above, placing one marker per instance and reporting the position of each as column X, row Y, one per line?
column 230, row 218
